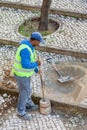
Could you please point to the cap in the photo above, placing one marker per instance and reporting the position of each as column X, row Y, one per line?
column 37, row 36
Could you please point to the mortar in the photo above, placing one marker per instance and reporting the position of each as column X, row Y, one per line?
column 69, row 92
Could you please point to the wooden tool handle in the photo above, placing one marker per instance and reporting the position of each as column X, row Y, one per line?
column 42, row 82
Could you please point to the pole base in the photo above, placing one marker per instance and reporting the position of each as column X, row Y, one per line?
column 45, row 106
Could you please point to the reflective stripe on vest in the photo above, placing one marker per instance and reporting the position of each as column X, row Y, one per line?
column 23, row 70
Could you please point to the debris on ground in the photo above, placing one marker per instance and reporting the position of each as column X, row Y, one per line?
column 8, row 81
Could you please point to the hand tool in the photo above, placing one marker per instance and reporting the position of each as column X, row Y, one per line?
column 61, row 78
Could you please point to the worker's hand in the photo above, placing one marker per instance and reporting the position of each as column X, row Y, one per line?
column 39, row 62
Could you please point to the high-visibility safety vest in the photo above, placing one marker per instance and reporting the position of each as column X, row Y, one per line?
column 17, row 67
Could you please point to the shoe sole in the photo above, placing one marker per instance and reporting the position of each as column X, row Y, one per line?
column 31, row 109
column 23, row 118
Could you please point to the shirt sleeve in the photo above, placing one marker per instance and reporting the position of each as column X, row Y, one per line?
column 36, row 70
column 25, row 60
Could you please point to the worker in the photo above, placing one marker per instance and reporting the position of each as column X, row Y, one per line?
column 25, row 64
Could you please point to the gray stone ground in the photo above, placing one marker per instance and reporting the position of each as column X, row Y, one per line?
column 6, row 61
column 72, row 33
column 57, row 120
column 70, row 5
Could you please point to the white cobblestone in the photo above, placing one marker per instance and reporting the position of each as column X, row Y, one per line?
column 71, row 5
column 72, row 34
column 55, row 121
column 36, row 83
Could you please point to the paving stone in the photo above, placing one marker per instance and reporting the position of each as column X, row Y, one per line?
column 71, row 34
column 35, row 81
column 5, row 95
column 71, row 5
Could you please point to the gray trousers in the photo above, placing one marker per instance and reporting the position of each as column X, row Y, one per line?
column 24, row 98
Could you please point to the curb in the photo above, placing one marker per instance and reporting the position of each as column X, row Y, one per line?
column 74, row 53
column 59, row 105
column 37, row 8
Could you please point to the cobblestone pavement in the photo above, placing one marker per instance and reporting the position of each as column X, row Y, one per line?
column 71, row 5
column 10, row 19
column 72, row 33
column 37, row 122
column 6, row 61
column 57, row 120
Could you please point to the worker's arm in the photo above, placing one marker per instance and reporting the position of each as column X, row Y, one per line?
column 25, row 60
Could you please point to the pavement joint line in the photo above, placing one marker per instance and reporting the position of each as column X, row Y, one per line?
column 71, row 34
column 74, row 53
column 9, row 119
column 59, row 105
column 34, row 8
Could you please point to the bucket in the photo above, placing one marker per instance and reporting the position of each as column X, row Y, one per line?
column 45, row 107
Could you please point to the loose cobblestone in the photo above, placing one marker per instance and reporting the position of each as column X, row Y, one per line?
column 71, row 5
column 72, row 33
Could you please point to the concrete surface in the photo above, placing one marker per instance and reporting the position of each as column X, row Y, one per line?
column 73, row 92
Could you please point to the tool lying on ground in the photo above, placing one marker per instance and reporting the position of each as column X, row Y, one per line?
column 61, row 78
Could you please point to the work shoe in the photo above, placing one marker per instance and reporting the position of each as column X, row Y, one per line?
column 24, row 117
column 32, row 107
